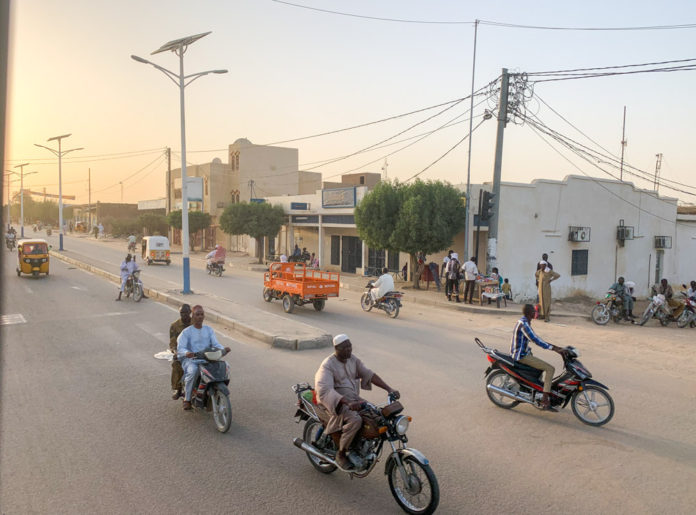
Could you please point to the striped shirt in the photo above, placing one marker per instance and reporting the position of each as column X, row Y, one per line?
column 520, row 339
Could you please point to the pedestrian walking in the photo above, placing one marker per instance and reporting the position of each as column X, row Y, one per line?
column 452, row 273
column 470, row 273
column 435, row 273
column 544, row 276
column 420, row 267
column 445, row 261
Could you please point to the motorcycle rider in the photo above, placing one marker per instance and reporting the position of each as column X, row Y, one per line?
column 519, row 350
column 128, row 266
column 216, row 256
column 666, row 289
column 382, row 286
column 338, row 382
column 194, row 338
column 10, row 236
column 623, row 292
column 174, row 331
column 131, row 242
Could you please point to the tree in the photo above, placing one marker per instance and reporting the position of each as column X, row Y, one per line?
column 257, row 220
column 417, row 217
column 197, row 221
column 153, row 223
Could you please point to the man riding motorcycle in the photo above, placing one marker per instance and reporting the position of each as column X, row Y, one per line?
column 623, row 292
column 383, row 285
column 10, row 237
column 128, row 266
column 665, row 289
column 519, row 350
column 217, row 255
column 338, row 382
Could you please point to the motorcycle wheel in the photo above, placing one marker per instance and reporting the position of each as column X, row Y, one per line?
column 392, row 308
column 600, row 314
column 646, row 316
column 366, row 302
column 664, row 319
column 218, row 272
column 593, row 406
column 502, row 380
column 288, row 303
column 419, row 493
column 267, row 295
column 222, row 411
column 319, row 304
column 309, row 435
column 137, row 293
column 683, row 319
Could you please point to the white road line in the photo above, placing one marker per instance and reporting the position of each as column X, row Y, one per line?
column 16, row 318
column 28, row 290
column 80, row 288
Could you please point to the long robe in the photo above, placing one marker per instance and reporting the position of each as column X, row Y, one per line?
column 544, row 279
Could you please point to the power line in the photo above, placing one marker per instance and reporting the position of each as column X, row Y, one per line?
column 159, row 157
column 96, row 157
column 611, row 67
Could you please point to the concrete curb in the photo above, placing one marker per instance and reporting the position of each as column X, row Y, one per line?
column 283, row 342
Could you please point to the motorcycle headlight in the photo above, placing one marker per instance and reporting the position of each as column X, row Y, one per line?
column 27, row 260
column 401, row 424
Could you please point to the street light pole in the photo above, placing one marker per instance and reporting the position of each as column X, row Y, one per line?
column 179, row 47
column 60, row 153
column 21, row 195
column 9, row 216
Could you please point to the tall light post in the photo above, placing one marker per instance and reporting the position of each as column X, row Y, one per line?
column 179, row 47
column 7, row 174
column 60, row 153
column 21, row 195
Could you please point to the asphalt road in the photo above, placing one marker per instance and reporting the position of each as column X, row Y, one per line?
column 88, row 425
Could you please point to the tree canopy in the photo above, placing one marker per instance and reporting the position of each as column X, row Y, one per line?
column 258, row 220
column 198, row 220
column 422, row 216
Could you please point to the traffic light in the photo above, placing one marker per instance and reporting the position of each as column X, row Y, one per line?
column 487, row 206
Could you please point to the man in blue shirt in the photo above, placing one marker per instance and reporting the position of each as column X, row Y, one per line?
column 195, row 338
column 520, row 351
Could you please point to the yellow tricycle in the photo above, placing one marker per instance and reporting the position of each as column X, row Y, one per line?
column 32, row 257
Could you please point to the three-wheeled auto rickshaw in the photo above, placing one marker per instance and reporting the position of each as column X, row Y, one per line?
column 32, row 257
column 155, row 249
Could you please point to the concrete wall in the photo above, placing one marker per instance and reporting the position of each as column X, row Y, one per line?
column 309, row 182
column 274, row 170
column 685, row 243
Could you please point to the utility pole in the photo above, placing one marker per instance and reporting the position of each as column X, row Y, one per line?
column 384, row 169
column 170, row 231
column 468, row 166
column 121, row 183
column 89, row 200
column 658, row 167
column 497, row 168
column 623, row 144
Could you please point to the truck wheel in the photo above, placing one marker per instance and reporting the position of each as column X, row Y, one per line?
column 267, row 294
column 288, row 303
column 319, row 304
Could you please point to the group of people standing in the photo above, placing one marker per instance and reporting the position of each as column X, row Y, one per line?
column 454, row 272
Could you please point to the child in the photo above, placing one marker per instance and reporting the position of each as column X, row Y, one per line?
column 506, row 289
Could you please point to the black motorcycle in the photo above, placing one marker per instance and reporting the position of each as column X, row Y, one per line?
column 212, row 392
column 390, row 303
column 411, row 479
column 11, row 243
column 215, row 269
column 509, row 382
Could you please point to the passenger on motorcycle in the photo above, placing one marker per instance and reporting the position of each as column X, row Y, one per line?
column 691, row 292
column 623, row 292
column 338, row 382
column 195, row 338
column 665, row 289
column 217, row 255
column 128, row 266
column 382, row 286
column 519, row 350
column 174, row 331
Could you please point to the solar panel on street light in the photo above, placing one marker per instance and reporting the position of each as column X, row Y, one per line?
column 178, row 43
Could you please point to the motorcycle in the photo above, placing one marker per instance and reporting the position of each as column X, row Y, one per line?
column 215, row 269
column 131, row 247
column 610, row 308
column 509, row 382
column 411, row 479
column 48, row 231
column 390, row 303
column 134, row 286
column 212, row 392
column 658, row 308
column 688, row 316
column 11, row 243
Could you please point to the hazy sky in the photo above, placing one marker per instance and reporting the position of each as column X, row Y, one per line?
column 296, row 72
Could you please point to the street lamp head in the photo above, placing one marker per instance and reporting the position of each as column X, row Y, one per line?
column 219, row 71
column 140, row 59
column 59, row 137
column 23, row 164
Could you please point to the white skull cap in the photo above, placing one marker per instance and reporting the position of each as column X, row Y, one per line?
column 339, row 339
column 455, row 255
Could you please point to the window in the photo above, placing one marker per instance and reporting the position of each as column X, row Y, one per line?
column 393, row 263
column 362, row 179
column 335, row 250
column 578, row 265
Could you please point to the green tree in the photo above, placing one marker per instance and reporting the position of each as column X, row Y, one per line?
column 257, row 220
column 153, row 223
column 418, row 217
column 197, row 220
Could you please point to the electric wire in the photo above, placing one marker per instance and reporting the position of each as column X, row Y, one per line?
column 151, row 163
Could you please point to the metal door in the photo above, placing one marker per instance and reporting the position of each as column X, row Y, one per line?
column 351, row 254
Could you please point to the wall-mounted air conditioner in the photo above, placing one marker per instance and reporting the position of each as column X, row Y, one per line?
column 663, row 242
column 624, row 232
column 578, row 233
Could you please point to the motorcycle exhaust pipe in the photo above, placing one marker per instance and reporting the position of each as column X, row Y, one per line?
column 299, row 442
column 506, row 393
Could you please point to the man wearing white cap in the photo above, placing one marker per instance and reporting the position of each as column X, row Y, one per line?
column 338, row 382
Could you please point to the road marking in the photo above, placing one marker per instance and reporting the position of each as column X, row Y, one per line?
column 80, row 288
column 28, row 290
column 17, row 318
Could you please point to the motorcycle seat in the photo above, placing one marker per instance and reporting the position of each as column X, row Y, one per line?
column 519, row 367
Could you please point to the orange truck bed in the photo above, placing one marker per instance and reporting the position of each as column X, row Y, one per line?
column 300, row 282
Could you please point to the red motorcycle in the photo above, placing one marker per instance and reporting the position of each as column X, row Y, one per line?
column 688, row 316
column 509, row 382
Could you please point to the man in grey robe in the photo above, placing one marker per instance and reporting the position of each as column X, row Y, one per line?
column 338, row 382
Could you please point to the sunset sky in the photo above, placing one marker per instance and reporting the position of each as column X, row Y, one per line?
column 296, row 72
